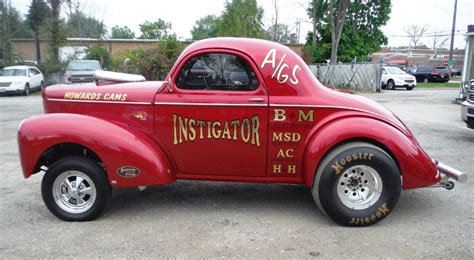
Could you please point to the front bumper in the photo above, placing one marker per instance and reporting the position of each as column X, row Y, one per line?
column 467, row 113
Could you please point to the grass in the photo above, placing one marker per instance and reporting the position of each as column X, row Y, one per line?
column 437, row 85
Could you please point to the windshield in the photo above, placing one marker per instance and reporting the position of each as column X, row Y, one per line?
column 394, row 70
column 84, row 65
column 13, row 72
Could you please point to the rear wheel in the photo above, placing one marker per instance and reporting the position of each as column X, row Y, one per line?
column 357, row 184
column 75, row 189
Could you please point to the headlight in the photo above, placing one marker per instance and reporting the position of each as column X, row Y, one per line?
column 17, row 83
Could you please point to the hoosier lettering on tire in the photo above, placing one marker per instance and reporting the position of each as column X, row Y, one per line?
column 357, row 184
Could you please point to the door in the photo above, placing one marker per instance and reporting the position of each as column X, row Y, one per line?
column 214, row 117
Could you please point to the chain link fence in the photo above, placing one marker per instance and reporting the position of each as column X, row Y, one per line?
column 361, row 76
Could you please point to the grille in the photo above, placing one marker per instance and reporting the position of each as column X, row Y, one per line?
column 472, row 87
column 5, row 84
column 409, row 81
column 470, row 111
column 471, row 97
column 82, row 78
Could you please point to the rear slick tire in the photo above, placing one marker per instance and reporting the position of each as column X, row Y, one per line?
column 357, row 184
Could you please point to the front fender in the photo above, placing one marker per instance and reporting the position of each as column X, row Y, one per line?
column 417, row 168
column 116, row 145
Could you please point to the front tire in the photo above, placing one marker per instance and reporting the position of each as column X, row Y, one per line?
column 26, row 90
column 357, row 184
column 390, row 85
column 75, row 189
column 410, row 88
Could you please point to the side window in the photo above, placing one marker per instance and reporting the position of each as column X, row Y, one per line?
column 413, row 70
column 32, row 72
column 217, row 71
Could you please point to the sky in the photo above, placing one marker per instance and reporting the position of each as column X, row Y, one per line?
column 437, row 15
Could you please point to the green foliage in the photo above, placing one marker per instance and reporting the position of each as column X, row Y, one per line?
column 19, row 28
column 154, row 30
column 38, row 12
column 51, row 67
column 205, row 27
column 98, row 53
column 241, row 18
column 79, row 25
column 122, row 32
column 361, row 34
column 283, row 34
column 56, row 30
column 153, row 64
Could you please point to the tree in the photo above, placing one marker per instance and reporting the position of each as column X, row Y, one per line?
column 437, row 42
column 98, row 53
column 57, row 34
column 241, row 18
column 122, row 32
column 205, row 27
column 282, row 34
column 360, row 34
column 337, row 18
column 154, row 30
column 19, row 28
column 415, row 32
column 80, row 25
column 38, row 12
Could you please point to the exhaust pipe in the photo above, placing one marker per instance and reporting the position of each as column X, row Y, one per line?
column 451, row 172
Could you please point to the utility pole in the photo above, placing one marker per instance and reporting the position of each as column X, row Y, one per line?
column 451, row 62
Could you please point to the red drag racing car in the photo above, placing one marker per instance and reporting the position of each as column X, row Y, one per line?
column 230, row 109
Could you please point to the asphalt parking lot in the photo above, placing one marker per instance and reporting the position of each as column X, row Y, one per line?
column 204, row 220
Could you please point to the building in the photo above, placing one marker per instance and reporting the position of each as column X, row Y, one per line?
column 418, row 57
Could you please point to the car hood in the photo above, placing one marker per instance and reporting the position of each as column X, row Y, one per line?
column 11, row 79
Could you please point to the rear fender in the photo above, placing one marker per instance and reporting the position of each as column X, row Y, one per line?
column 417, row 168
column 130, row 157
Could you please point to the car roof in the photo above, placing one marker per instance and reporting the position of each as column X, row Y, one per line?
column 20, row 67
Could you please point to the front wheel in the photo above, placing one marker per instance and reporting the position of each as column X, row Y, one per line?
column 391, row 85
column 26, row 90
column 357, row 184
column 410, row 87
column 75, row 189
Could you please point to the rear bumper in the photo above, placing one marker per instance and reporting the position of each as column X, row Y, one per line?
column 467, row 113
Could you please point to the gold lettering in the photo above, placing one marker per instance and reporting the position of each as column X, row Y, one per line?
column 201, row 125
column 88, row 95
column 216, row 132
column 235, row 124
column 175, row 140
column 245, row 137
column 255, row 127
column 279, row 115
column 183, row 130
column 292, row 169
column 226, row 132
column 280, row 153
column 277, row 136
column 192, row 131
column 305, row 117
column 384, row 209
column 124, row 97
column 277, row 168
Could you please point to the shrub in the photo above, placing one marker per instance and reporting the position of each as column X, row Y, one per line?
column 98, row 53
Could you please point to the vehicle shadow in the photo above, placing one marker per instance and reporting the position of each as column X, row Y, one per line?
column 213, row 197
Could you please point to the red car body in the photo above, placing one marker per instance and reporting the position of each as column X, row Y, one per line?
column 153, row 132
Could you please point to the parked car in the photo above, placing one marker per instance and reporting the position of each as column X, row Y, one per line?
column 430, row 74
column 456, row 72
column 257, row 115
column 393, row 77
column 81, row 71
column 21, row 80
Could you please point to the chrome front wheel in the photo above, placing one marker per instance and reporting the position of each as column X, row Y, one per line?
column 74, row 192
column 76, row 189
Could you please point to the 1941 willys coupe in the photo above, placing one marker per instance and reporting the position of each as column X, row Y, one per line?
column 230, row 110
